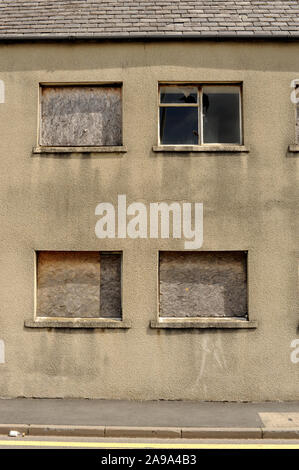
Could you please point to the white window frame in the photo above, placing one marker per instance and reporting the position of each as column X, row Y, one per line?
column 199, row 105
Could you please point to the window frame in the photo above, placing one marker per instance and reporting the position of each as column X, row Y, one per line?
column 39, row 148
column 180, row 105
column 37, row 321
column 297, row 116
column 293, row 149
column 201, row 146
column 161, row 322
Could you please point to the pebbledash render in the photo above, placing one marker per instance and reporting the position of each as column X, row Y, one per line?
column 149, row 200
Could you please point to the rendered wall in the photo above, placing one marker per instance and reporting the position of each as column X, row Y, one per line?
column 250, row 203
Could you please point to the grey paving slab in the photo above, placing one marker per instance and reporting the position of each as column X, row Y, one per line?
column 132, row 413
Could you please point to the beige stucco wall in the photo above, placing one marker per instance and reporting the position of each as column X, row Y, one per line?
column 48, row 203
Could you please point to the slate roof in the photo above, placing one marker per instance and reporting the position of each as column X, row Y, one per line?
column 148, row 18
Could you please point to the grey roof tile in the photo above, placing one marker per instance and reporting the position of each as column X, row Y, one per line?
column 148, row 18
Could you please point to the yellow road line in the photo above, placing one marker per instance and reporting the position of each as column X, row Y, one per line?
column 143, row 445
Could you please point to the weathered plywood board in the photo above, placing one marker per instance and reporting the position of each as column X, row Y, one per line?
column 110, row 290
column 69, row 284
column 205, row 284
column 81, row 116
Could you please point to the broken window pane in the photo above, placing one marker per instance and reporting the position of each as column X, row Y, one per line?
column 179, row 125
column 81, row 116
column 173, row 94
column 203, row 284
column 221, row 115
column 78, row 284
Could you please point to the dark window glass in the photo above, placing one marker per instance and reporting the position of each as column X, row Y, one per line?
column 221, row 115
column 179, row 125
column 178, row 94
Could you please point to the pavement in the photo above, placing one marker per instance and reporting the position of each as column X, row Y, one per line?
column 149, row 419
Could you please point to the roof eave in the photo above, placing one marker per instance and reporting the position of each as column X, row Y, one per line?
column 150, row 37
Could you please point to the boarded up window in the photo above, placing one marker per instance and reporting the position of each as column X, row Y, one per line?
column 297, row 116
column 78, row 284
column 81, row 116
column 203, row 284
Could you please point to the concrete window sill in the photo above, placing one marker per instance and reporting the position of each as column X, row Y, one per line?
column 76, row 323
column 104, row 149
column 294, row 148
column 202, row 148
column 202, row 323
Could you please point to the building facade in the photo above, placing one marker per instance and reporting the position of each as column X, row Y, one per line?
column 149, row 206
